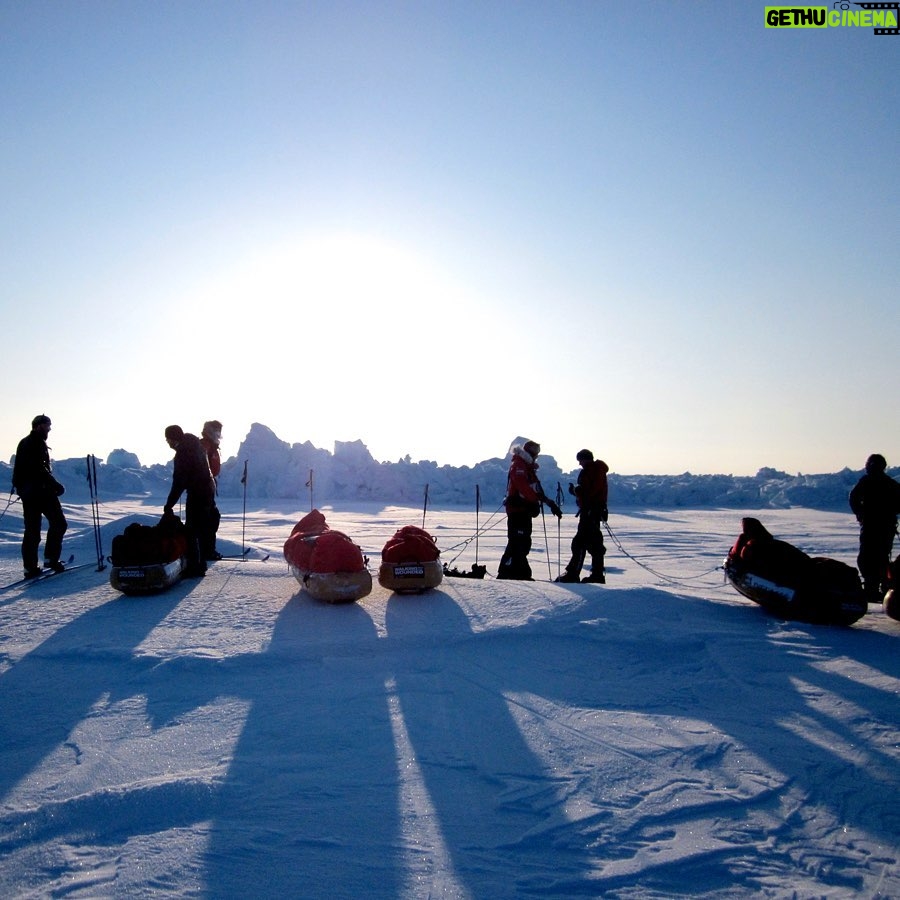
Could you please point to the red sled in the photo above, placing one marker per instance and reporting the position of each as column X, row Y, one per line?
column 410, row 562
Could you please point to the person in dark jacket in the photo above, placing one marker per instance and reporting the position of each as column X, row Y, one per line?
column 524, row 496
column 191, row 475
column 875, row 501
column 33, row 481
column 590, row 494
column 210, row 438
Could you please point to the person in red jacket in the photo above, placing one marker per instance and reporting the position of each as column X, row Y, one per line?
column 524, row 496
column 210, row 438
column 590, row 494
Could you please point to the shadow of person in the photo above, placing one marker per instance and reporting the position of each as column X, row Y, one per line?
column 308, row 807
column 495, row 802
column 59, row 681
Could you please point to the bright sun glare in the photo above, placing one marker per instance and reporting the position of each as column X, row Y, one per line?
column 348, row 288
column 318, row 335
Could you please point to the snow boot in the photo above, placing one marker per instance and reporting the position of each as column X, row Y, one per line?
column 594, row 578
column 568, row 578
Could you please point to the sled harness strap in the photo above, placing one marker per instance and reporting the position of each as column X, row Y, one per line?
column 668, row 578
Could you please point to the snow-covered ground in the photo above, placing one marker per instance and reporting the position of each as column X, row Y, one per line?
column 657, row 737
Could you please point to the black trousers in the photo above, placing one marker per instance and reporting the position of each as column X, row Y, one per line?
column 200, row 516
column 514, row 563
column 588, row 539
column 876, row 542
column 35, row 508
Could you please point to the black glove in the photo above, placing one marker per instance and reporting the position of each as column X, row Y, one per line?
column 571, row 489
column 58, row 489
column 554, row 509
column 604, row 514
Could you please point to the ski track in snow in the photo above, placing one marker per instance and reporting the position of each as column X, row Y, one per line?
column 658, row 737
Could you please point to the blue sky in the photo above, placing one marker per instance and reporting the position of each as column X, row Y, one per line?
column 656, row 229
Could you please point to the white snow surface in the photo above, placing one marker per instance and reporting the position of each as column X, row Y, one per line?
column 659, row 736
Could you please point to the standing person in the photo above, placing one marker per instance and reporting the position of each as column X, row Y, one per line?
column 40, row 492
column 875, row 501
column 591, row 496
column 210, row 438
column 191, row 474
column 524, row 496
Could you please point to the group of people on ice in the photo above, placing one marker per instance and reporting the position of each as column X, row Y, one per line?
column 524, row 498
column 874, row 500
column 195, row 470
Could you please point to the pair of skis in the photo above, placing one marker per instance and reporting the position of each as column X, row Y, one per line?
column 43, row 575
column 95, row 519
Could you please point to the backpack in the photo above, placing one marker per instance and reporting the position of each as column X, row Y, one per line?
column 142, row 545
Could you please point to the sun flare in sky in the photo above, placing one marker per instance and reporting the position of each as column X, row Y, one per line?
column 331, row 336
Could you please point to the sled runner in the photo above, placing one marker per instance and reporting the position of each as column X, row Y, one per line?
column 149, row 558
column 337, row 587
column 409, row 562
column 791, row 585
column 146, row 579
column 328, row 565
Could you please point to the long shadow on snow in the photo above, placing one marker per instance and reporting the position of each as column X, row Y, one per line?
column 58, row 681
column 304, row 811
column 615, row 654
column 497, row 806
column 300, row 812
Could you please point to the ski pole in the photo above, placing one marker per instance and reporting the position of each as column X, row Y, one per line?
column 244, row 514
column 546, row 543
column 477, row 526
column 9, row 503
column 90, row 482
column 95, row 509
column 101, row 565
column 425, row 507
column 559, row 503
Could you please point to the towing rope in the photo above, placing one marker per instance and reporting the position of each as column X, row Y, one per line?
column 682, row 581
column 9, row 503
column 670, row 579
column 479, row 531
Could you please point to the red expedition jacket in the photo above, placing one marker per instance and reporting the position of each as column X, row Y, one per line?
column 592, row 490
column 523, row 488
